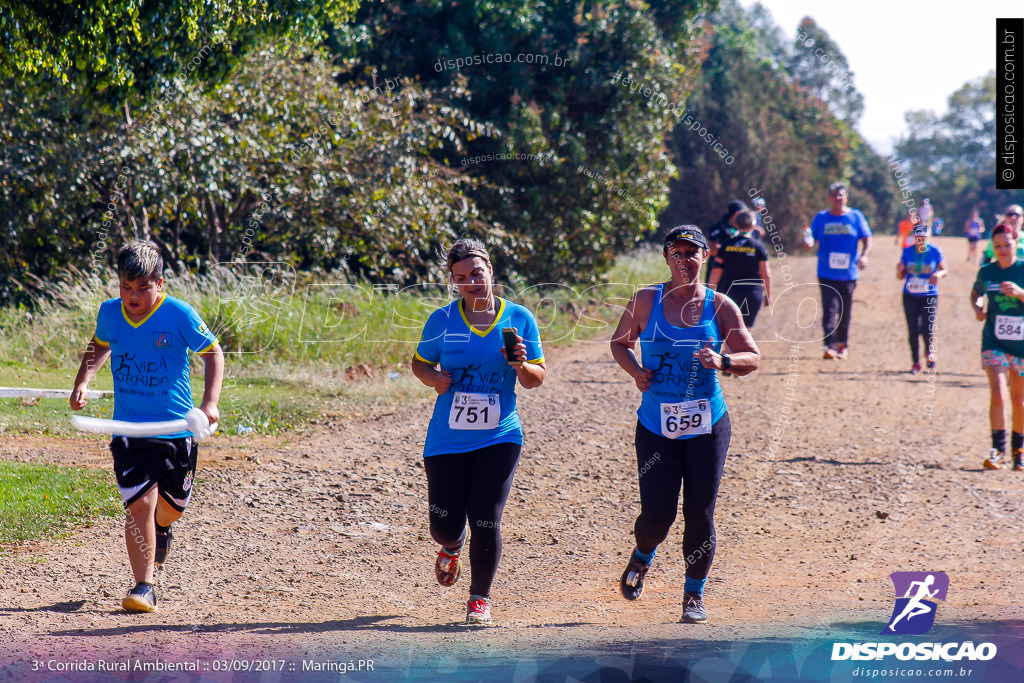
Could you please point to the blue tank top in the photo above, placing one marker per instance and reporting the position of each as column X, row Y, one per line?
column 685, row 398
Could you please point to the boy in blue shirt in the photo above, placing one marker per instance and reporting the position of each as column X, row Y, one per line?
column 148, row 335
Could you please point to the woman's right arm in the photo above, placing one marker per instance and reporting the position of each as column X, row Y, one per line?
column 634, row 316
column 438, row 380
column 979, row 308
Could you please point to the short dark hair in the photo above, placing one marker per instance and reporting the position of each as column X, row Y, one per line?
column 466, row 247
column 836, row 187
column 744, row 219
column 734, row 206
column 140, row 260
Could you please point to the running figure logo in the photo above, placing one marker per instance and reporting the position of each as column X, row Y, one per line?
column 914, row 613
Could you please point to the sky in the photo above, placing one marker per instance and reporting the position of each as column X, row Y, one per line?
column 904, row 55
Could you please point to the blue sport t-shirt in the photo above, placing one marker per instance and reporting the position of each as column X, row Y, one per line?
column 837, row 238
column 149, row 359
column 919, row 270
column 479, row 408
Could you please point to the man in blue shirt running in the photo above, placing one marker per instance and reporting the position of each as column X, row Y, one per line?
column 838, row 232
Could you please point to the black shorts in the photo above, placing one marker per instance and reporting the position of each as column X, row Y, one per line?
column 170, row 464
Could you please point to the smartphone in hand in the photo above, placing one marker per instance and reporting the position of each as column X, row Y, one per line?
column 510, row 337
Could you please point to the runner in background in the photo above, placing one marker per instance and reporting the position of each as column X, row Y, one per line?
column 840, row 233
column 998, row 299
column 974, row 229
column 741, row 270
column 722, row 230
column 921, row 267
column 926, row 214
column 905, row 231
column 1014, row 217
column 759, row 210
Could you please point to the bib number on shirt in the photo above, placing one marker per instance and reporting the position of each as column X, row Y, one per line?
column 918, row 285
column 838, row 260
column 474, row 411
column 686, row 419
column 1010, row 327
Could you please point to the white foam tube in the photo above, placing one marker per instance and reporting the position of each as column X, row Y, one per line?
column 195, row 421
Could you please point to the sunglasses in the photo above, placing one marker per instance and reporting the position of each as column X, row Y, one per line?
column 1012, row 213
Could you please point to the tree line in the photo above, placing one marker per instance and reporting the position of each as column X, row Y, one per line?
column 358, row 139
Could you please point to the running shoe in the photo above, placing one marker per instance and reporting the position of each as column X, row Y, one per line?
column 916, row 370
column 830, row 353
column 448, row 567
column 142, row 598
column 478, row 610
column 632, row 582
column 1018, row 466
column 163, row 545
column 693, row 609
column 841, row 352
column 931, row 361
column 994, row 461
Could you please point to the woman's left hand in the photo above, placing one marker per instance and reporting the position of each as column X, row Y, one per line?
column 1011, row 289
column 708, row 358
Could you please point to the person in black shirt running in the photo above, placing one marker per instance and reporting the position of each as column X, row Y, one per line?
column 741, row 271
column 722, row 231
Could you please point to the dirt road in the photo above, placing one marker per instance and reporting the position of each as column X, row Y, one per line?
column 839, row 473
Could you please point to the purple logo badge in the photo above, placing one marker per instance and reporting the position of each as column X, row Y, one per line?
column 914, row 612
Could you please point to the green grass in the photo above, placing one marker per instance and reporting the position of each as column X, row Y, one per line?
column 44, row 500
column 298, row 348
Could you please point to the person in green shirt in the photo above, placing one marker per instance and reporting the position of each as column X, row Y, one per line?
column 1014, row 217
column 998, row 299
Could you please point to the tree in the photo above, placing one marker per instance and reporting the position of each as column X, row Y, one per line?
column 821, row 67
column 278, row 163
column 605, row 173
column 782, row 142
column 951, row 157
column 120, row 50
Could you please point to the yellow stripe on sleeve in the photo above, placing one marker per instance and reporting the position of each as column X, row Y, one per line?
column 215, row 342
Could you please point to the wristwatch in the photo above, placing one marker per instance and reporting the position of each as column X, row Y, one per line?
column 726, row 362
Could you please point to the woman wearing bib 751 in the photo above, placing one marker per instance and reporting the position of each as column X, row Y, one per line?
column 474, row 437
column 683, row 428
column 1002, row 341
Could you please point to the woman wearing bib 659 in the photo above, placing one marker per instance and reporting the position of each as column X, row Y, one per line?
column 1002, row 341
column 683, row 428
column 474, row 437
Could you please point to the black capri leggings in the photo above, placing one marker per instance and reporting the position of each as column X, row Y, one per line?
column 920, row 312
column 663, row 464
column 473, row 487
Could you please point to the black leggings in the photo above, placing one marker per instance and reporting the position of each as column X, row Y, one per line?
column 920, row 312
column 663, row 464
column 837, row 309
column 472, row 486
